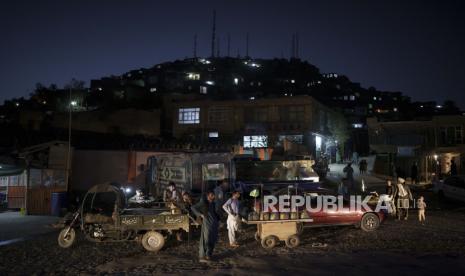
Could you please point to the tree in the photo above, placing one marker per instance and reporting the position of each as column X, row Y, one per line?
column 75, row 84
column 339, row 129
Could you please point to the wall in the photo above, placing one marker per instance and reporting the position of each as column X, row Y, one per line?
column 126, row 122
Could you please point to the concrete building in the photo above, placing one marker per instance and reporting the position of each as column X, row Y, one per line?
column 125, row 122
column 294, row 125
column 433, row 143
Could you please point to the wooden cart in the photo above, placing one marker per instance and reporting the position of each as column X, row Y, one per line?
column 269, row 232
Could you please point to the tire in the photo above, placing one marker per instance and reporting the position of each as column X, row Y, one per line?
column 257, row 236
column 292, row 241
column 153, row 241
column 369, row 222
column 68, row 240
column 269, row 242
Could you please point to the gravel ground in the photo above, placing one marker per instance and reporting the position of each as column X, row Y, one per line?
column 401, row 246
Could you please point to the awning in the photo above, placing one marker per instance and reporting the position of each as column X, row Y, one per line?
column 8, row 170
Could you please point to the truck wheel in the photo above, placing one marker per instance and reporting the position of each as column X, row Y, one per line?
column 269, row 242
column 293, row 241
column 65, row 240
column 153, row 241
column 257, row 236
column 370, row 222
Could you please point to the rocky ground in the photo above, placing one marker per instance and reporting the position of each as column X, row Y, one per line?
column 405, row 247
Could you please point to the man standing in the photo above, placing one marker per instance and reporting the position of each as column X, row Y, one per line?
column 231, row 207
column 207, row 211
column 404, row 195
column 391, row 191
column 349, row 171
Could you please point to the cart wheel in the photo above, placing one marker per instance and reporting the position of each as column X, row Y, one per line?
column 153, row 241
column 257, row 236
column 293, row 241
column 269, row 242
column 65, row 240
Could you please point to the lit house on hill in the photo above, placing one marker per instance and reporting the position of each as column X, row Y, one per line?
column 289, row 126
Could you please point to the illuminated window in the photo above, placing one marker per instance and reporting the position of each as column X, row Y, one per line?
column 153, row 89
column 352, row 97
column 213, row 134
column 193, row 76
column 189, row 115
column 236, row 81
column 357, row 125
column 256, row 141
column 203, row 90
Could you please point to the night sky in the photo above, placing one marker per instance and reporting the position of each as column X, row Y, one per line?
column 416, row 47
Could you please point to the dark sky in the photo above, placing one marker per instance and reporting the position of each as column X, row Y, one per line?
column 416, row 47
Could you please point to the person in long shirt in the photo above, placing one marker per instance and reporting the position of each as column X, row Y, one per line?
column 404, row 195
column 391, row 191
column 231, row 207
column 207, row 211
column 349, row 171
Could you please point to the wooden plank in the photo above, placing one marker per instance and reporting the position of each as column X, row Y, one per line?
column 281, row 230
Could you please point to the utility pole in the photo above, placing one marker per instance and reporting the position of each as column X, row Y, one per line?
column 195, row 46
column 297, row 45
column 68, row 157
column 218, row 47
column 293, row 46
column 213, row 34
column 247, row 45
column 229, row 44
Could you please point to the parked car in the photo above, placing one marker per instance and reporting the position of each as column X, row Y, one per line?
column 368, row 220
column 453, row 187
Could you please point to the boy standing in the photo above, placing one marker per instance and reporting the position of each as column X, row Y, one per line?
column 421, row 209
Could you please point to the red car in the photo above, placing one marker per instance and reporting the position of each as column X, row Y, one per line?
column 365, row 218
